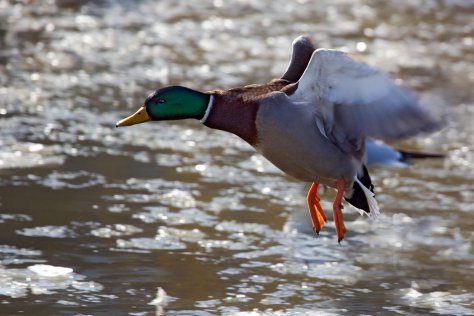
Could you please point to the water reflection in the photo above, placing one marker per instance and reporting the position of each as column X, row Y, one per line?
column 118, row 213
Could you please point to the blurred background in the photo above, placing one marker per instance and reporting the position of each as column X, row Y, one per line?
column 94, row 219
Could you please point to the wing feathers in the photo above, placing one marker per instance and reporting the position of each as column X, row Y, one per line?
column 354, row 100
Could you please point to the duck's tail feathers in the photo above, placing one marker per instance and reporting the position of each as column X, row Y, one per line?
column 408, row 155
column 363, row 197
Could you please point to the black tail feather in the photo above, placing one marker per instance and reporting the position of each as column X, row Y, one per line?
column 359, row 199
column 408, row 155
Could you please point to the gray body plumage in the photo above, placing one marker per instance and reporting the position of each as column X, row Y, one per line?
column 289, row 138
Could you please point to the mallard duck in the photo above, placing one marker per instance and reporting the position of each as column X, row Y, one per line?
column 313, row 129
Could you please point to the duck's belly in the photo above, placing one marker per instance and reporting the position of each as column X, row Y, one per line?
column 290, row 139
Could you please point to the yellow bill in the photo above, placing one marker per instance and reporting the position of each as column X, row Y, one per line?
column 138, row 117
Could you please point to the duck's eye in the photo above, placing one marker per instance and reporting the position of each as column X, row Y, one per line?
column 161, row 100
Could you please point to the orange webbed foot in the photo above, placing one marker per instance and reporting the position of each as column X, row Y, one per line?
column 318, row 218
column 337, row 210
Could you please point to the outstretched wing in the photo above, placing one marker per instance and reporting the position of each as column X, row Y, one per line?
column 354, row 100
column 302, row 51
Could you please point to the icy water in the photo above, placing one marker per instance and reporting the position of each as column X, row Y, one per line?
column 93, row 219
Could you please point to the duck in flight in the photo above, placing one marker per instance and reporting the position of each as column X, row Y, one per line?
column 312, row 123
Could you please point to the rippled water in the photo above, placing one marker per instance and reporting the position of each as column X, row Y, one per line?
column 94, row 220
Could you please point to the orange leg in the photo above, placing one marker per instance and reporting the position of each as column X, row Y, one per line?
column 318, row 218
column 337, row 206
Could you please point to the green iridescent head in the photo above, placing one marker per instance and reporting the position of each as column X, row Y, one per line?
column 170, row 103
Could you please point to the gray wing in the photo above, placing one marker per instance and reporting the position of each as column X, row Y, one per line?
column 354, row 100
column 303, row 48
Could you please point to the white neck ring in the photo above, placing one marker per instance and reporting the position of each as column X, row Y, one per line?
column 208, row 110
